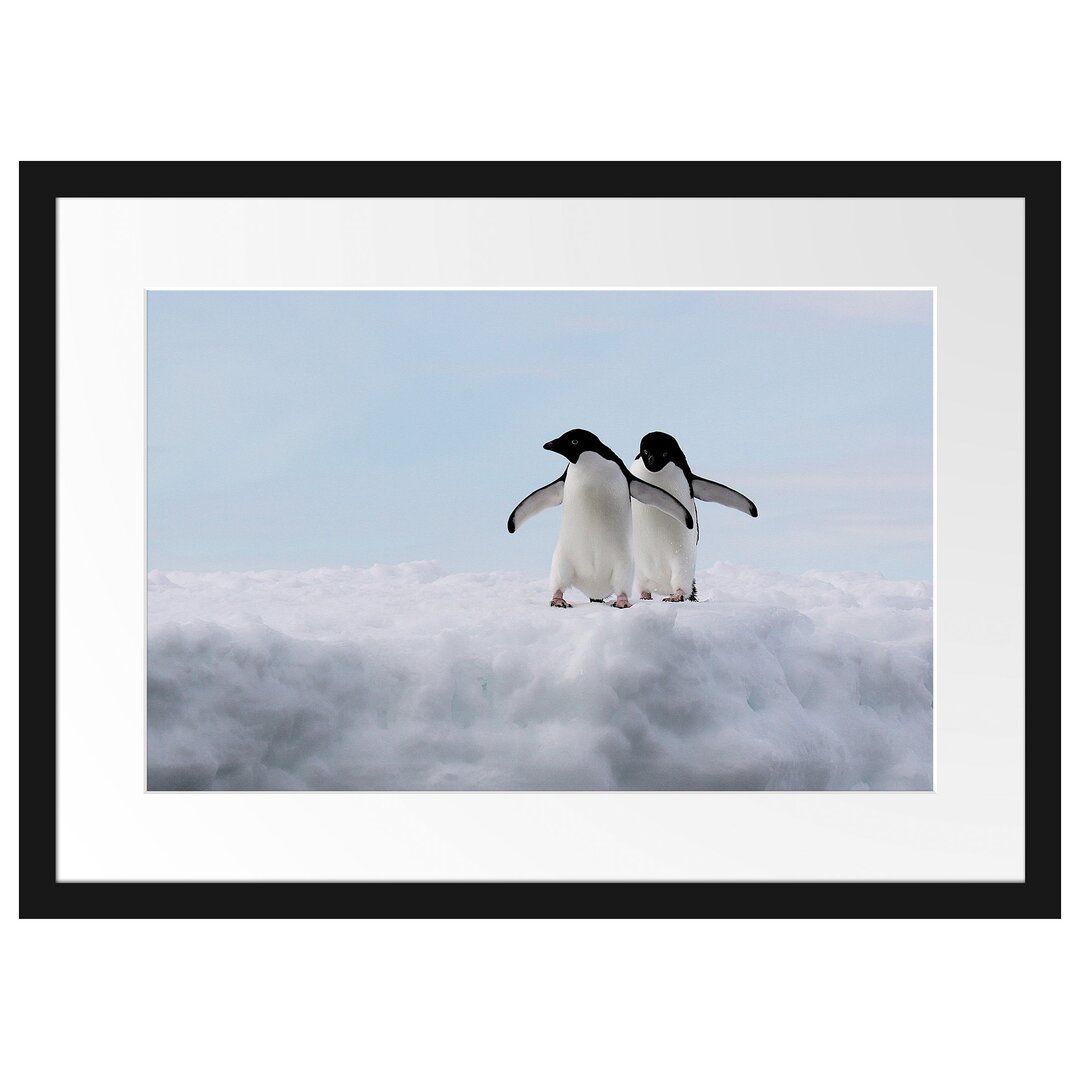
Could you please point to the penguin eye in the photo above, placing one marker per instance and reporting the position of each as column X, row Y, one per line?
column 665, row 455
column 573, row 442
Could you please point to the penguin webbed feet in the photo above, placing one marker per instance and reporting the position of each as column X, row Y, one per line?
column 621, row 602
column 677, row 597
column 558, row 601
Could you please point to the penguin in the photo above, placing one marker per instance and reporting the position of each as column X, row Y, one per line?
column 595, row 551
column 665, row 557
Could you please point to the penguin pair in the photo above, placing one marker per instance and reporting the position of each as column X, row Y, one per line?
column 613, row 515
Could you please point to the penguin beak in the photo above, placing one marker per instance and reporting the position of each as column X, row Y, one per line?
column 551, row 446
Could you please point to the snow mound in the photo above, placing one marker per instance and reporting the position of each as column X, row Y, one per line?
column 405, row 677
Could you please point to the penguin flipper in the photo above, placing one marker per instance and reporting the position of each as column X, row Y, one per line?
column 542, row 498
column 711, row 491
column 651, row 495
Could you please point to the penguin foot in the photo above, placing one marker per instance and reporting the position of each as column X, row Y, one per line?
column 621, row 602
column 677, row 597
column 558, row 601
column 646, row 596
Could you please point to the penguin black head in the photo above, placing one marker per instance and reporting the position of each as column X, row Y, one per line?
column 575, row 442
column 658, row 449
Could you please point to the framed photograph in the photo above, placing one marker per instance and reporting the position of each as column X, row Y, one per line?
column 542, row 539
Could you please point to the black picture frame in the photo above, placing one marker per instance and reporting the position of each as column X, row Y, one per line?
column 42, row 183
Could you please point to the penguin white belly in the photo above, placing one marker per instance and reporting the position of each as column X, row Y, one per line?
column 665, row 552
column 595, row 549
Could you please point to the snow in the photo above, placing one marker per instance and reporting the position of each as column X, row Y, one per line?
column 406, row 677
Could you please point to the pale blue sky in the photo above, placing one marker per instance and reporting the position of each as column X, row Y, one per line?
column 303, row 429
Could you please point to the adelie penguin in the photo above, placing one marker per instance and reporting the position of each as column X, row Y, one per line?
column 595, row 552
column 665, row 557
